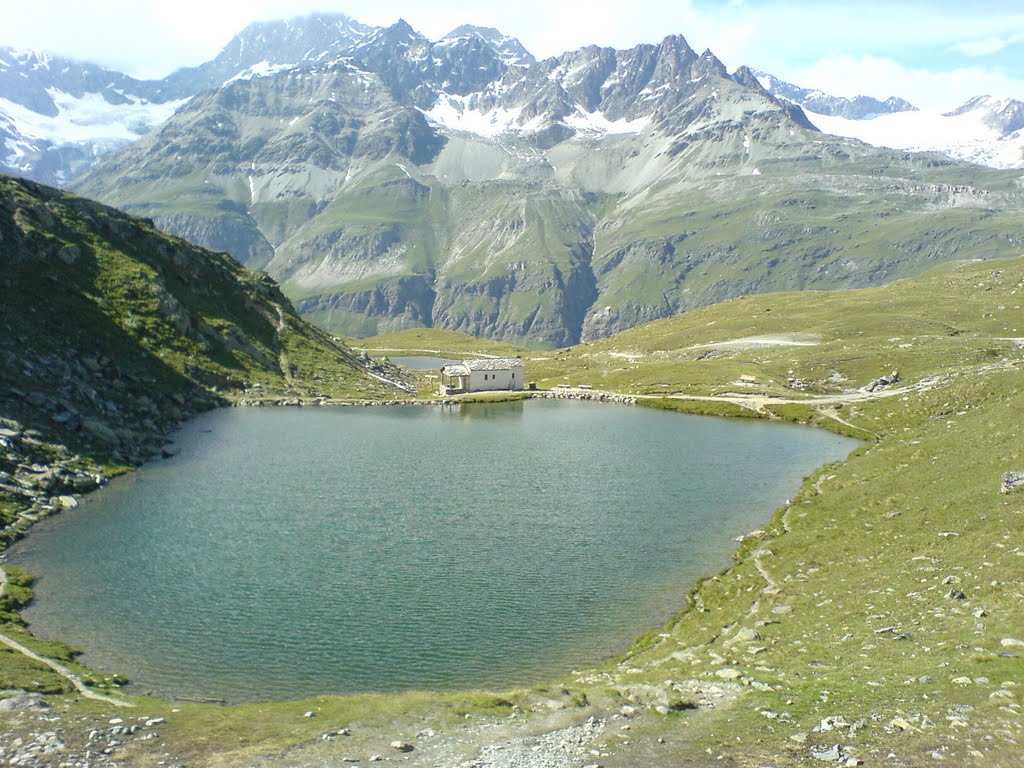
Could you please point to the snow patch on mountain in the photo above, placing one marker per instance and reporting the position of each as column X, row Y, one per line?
column 261, row 69
column 597, row 123
column 456, row 114
column 89, row 118
column 963, row 135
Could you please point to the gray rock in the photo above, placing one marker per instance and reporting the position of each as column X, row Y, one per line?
column 831, row 754
column 402, row 746
column 1012, row 481
column 101, row 432
column 18, row 700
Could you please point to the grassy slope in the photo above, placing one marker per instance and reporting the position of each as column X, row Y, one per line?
column 434, row 341
column 874, row 543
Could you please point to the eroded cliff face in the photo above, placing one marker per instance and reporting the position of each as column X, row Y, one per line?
column 461, row 185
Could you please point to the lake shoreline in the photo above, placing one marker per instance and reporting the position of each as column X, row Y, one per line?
column 566, row 393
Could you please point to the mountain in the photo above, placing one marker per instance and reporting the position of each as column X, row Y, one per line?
column 417, row 183
column 111, row 331
column 265, row 47
column 985, row 130
column 58, row 116
column 509, row 49
column 821, row 103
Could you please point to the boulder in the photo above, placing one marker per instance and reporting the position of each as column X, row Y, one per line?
column 100, row 431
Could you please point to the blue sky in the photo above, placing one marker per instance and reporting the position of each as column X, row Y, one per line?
column 935, row 54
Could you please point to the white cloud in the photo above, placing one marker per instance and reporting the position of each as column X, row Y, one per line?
column 986, row 46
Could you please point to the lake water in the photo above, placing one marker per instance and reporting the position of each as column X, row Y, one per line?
column 291, row 552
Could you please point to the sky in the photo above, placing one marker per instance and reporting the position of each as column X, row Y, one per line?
column 934, row 53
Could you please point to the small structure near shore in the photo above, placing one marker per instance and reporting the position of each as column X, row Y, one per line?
column 482, row 375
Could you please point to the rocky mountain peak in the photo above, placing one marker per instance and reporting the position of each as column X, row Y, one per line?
column 709, row 64
column 1003, row 115
column 674, row 59
column 821, row 103
column 509, row 49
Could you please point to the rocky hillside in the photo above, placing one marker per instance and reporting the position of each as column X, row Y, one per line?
column 459, row 184
column 112, row 332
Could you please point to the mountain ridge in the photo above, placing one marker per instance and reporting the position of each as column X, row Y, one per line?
column 555, row 202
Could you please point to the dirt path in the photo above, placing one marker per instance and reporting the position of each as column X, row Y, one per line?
column 57, row 667
column 63, row 671
column 282, row 358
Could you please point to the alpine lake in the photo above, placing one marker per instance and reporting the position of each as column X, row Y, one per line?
column 288, row 552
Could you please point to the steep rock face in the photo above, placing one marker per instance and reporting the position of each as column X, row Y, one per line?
column 452, row 184
column 233, row 232
column 391, row 304
column 58, row 116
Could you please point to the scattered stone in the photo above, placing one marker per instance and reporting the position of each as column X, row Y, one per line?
column 956, row 594
column 832, row 723
column 728, row 673
column 310, row 713
column 155, row 721
column 900, row 724
column 883, row 381
column 402, row 746
column 831, row 754
column 1012, row 481
column 1009, row 642
column 18, row 700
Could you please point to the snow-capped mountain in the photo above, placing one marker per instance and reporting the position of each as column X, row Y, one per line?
column 821, row 103
column 404, row 182
column 58, row 115
column 509, row 49
column 985, row 130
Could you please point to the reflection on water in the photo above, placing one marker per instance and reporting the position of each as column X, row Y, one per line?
column 503, row 411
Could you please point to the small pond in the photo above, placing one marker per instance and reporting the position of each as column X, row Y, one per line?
column 290, row 552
